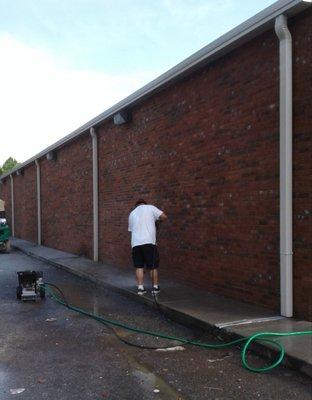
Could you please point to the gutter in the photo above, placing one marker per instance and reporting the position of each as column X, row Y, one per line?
column 286, row 137
column 95, row 184
column 38, row 203
column 12, row 205
column 261, row 22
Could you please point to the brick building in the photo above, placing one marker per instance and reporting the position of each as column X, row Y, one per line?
column 205, row 142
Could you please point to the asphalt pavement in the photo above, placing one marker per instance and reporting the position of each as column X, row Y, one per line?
column 48, row 351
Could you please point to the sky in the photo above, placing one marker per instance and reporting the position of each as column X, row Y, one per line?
column 63, row 62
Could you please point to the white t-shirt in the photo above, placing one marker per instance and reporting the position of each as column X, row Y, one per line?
column 142, row 224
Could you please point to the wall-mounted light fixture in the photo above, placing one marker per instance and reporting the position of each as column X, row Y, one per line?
column 51, row 156
column 122, row 117
column 20, row 172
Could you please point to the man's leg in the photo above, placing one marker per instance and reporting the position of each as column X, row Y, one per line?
column 154, row 276
column 153, row 263
column 140, row 279
column 138, row 262
column 140, row 275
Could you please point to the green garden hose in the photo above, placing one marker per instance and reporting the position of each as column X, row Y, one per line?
column 258, row 337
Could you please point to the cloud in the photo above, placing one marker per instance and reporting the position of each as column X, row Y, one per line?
column 42, row 100
column 188, row 11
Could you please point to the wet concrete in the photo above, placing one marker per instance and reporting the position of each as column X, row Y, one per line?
column 75, row 357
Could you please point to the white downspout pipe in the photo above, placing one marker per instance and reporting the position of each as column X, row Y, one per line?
column 12, row 206
column 95, row 195
column 286, row 229
column 38, row 203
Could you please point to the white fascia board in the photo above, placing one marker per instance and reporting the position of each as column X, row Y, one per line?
column 249, row 29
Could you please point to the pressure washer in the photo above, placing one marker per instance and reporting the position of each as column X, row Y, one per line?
column 30, row 285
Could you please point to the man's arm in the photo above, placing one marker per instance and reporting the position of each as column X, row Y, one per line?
column 160, row 219
column 159, row 215
column 163, row 216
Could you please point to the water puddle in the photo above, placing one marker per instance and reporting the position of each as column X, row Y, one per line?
column 151, row 382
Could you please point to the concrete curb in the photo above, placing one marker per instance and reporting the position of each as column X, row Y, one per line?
column 263, row 350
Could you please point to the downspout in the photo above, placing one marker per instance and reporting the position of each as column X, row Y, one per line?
column 38, row 203
column 286, row 229
column 12, row 206
column 95, row 195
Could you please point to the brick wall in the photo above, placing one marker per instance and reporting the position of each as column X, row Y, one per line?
column 66, row 198
column 206, row 151
column 25, row 200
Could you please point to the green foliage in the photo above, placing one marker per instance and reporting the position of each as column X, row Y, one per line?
column 8, row 165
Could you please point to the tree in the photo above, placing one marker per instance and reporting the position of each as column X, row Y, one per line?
column 8, row 165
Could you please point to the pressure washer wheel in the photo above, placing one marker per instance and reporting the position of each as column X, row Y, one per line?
column 5, row 246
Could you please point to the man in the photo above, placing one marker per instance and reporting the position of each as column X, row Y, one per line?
column 143, row 242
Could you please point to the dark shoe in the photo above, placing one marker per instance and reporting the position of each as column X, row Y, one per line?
column 141, row 291
column 156, row 290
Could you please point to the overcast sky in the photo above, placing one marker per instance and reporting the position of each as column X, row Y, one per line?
column 63, row 62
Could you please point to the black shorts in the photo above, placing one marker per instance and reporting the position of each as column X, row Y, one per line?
column 145, row 255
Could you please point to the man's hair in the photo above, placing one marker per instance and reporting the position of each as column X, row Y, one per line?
column 139, row 202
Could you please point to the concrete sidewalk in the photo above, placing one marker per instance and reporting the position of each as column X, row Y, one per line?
column 231, row 319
